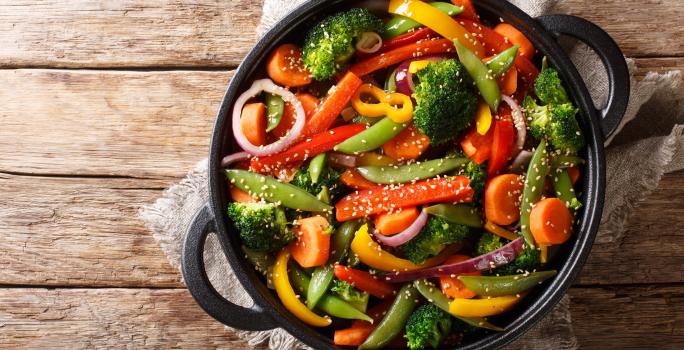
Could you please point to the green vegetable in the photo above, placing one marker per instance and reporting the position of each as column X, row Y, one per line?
column 427, row 327
column 262, row 226
column 329, row 178
column 329, row 304
column 353, row 296
column 322, row 276
column 565, row 191
column 366, row 120
column 477, row 175
column 275, row 106
column 393, row 323
column 390, row 82
column 330, row 43
column 463, row 214
column 435, row 296
column 353, row 260
column 562, row 161
column 496, row 286
column 398, row 25
column 556, row 122
column 445, row 100
column 533, row 189
column 549, row 88
column 502, row 62
column 485, row 82
column 274, row 191
column 316, row 167
column 433, row 238
column 262, row 261
column 410, row 172
column 527, row 261
column 371, row 138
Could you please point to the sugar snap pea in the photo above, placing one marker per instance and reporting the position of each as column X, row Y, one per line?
column 485, row 82
column 463, row 214
column 562, row 185
column 500, row 63
column 371, row 138
column 410, row 172
column 275, row 107
column 533, row 188
column 316, row 167
column 395, row 319
column 391, row 83
column 496, row 286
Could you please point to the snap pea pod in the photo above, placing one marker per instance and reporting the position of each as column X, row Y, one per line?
column 562, row 185
column 275, row 107
column 500, row 63
column 435, row 296
column 463, row 214
column 411, row 172
column 399, row 24
column 497, row 286
column 371, row 138
column 365, row 120
column 329, row 304
column 533, row 188
column 390, row 83
column 322, row 276
column 563, row 161
column 274, row 191
column 316, row 167
column 485, row 82
column 395, row 319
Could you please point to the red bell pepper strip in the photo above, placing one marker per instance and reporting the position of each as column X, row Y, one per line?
column 365, row 281
column 401, row 40
column 332, row 105
column 478, row 147
column 392, row 57
column 469, row 11
column 360, row 330
column 323, row 142
column 502, row 146
column 386, row 198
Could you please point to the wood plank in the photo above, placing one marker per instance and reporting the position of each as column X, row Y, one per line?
column 624, row 318
column 138, row 33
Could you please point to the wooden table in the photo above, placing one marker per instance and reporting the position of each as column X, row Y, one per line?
column 104, row 104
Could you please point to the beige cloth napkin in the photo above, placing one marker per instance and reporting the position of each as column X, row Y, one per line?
column 651, row 136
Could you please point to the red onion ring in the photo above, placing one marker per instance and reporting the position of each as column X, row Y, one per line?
column 404, row 236
column 342, row 160
column 519, row 122
column 233, row 158
column 520, row 162
column 367, row 38
column 495, row 258
column 404, row 78
column 268, row 86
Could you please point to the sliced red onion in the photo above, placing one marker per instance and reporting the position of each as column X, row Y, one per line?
column 404, row 236
column 519, row 122
column 520, row 162
column 268, row 86
column 495, row 258
column 369, row 42
column 404, row 78
column 233, row 158
column 342, row 160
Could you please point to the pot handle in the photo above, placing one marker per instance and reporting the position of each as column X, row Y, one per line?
column 197, row 281
column 611, row 56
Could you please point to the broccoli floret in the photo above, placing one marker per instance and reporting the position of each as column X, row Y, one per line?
column 528, row 260
column 557, row 123
column 262, row 226
column 433, row 238
column 549, row 88
column 427, row 327
column 329, row 178
column 445, row 100
column 346, row 291
column 330, row 43
column 477, row 176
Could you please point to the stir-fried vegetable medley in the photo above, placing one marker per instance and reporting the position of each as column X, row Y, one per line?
column 405, row 175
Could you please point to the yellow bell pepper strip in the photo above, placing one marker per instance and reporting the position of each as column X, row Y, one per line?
column 372, row 254
column 416, row 66
column 544, row 254
column 386, row 105
column 483, row 307
column 483, row 119
column 375, row 159
column 438, row 21
column 499, row 231
column 287, row 295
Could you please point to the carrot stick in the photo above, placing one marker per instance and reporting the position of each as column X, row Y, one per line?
column 353, row 179
column 253, row 123
column 452, row 286
column 550, row 222
column 408, row 145
column 285, row 66
column 502, row 199
column 331, row 107
column 392, row 223
column 240, row 196
column 312, row 246
column 499, row 231
column 516, row 38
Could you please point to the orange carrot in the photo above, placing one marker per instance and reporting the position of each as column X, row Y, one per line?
column 469, row 11
column 285, row 66
column 392, row 223
column 516, row 38
column 550, row 222
column 452, row 286
column 332, row 105
column 240, row 196
column 309, row 102
column 508, row 82
column 353, row 179
column 354, row 335
column 574, row 173
column 312, row 246
column 408, row 145
column 499, row 231
column 253, row 123
column 502, row 199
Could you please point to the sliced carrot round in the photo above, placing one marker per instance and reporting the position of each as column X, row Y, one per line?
column 286, row 67
column 253, row 122
column 517, row 38
column 452, row 286
column 392, row 223
column 550, row 222
column 312, row 246
column 502, row 199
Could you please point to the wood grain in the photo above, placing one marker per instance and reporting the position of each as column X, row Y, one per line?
column 137, row 33
column 624, row 318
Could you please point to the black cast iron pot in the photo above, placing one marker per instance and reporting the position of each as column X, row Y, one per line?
column 268, row 312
